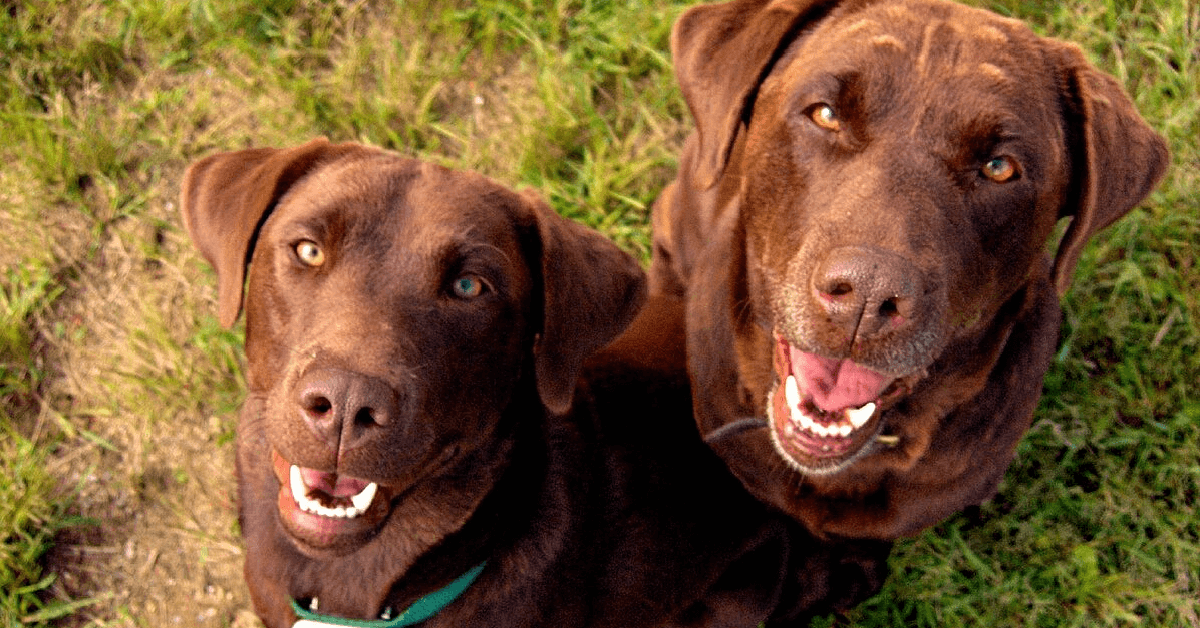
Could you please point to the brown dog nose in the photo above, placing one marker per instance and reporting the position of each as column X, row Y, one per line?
column 343, row 407
column 867, row 291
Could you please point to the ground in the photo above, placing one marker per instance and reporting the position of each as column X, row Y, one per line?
column 119, row 389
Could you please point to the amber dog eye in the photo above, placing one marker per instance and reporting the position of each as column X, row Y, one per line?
column 468, row 287
column 825, row 117
column 1000, row 169
column 309, row 253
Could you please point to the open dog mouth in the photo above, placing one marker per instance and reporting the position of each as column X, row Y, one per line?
column 824, row 413
column 324, row 509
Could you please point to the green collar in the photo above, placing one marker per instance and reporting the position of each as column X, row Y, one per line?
column 420, row 610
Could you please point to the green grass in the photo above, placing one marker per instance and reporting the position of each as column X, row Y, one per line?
column 119, row 388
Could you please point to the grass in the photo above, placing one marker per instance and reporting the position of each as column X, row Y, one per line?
column 119, row 388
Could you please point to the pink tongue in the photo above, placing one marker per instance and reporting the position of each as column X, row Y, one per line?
column 835, row 385
column 332, row 484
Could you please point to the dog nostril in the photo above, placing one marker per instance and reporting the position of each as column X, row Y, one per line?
column 369, row 417
column 896, row 308
column 840, row 290
column 318, row 405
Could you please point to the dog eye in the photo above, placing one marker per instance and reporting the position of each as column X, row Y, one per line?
column 825, row 117
column 468, row 286
column 1000, row 169
column 309, row 253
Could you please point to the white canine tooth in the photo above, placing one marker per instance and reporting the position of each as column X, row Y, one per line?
column 845, row 430
column 363, row 500
column 859, row 416
column 791, row 392
column 299, row 491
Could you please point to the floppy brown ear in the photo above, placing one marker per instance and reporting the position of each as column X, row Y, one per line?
column 721, row 52
column 226, row 197
column 592, row 290
column 1116, row 157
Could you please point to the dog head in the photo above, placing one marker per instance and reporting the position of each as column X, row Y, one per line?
column 396, row 313
column 900, row 166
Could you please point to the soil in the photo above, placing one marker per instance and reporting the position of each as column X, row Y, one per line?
column 141, row 397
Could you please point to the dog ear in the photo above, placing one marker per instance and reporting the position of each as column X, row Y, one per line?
column 1116, row 158
column 592, row 290
column 721, row 52
column 226, row 198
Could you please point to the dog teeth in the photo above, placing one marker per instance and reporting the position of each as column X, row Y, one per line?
column 363, row 500
column 854, row 418
column 791, row 392
column 859, row 416
column 299, row 491
column 360, row 502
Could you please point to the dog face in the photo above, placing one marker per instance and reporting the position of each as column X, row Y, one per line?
column 899, row 174
column 898, row 168
column 383, row 359
column 401, row 317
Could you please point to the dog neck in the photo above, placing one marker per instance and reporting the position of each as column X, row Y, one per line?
column 499, row 519
column 418, row 612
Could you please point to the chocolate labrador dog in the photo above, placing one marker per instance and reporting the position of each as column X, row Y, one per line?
column 413, row 447
column 859, row 228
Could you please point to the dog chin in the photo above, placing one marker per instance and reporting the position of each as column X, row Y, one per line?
column 323, row 512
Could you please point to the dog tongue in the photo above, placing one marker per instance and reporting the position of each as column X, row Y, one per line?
column 332, row 484
column 835, row 385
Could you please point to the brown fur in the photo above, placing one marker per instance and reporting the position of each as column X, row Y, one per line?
column 870, row 236
column 592, row 507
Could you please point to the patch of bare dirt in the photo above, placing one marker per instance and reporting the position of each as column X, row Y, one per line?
column 144, row 387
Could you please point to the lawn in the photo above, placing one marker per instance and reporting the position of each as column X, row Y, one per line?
column 118, row 387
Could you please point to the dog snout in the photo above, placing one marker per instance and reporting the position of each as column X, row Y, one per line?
column 343, row 409
column 868, row 292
